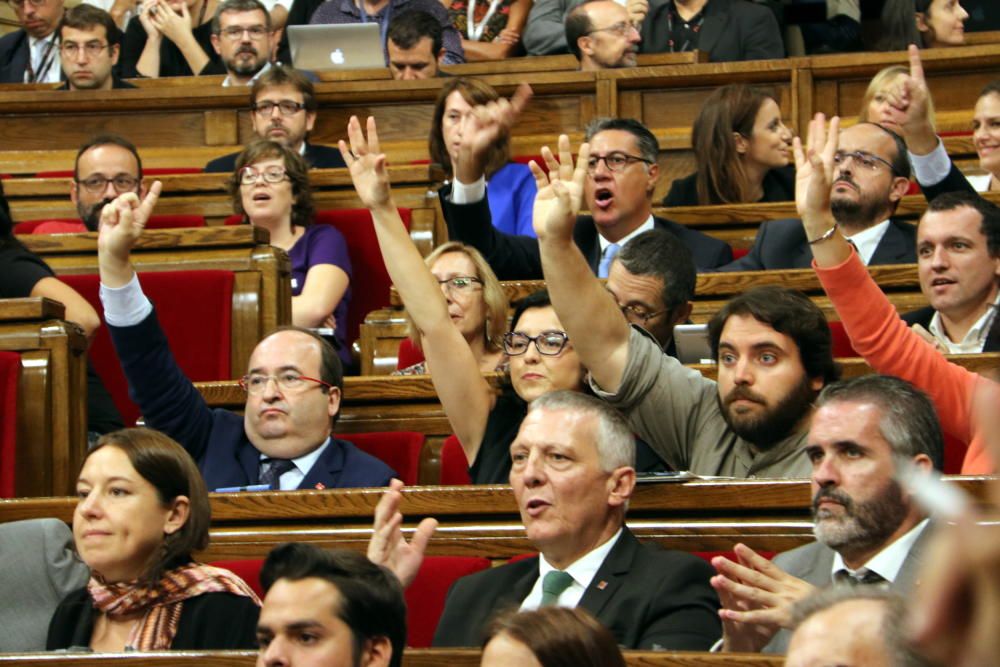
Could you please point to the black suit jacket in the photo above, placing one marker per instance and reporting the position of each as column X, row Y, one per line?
column 782, row 244
column 317, row 157
column 955, row 181
column 779, row 185
column 13, row 57
column 924, row 315
column 732, row 30
column 518, row 258
column 649, row 598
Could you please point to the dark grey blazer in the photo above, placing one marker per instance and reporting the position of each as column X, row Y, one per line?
column 13, row 56
column 782, row 244
column 732, row 30
column 316, row 156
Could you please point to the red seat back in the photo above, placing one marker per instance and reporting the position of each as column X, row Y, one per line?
column 841, row 343
column 155, row 222
column 10, row 376
column 248, row 570
column 195, row 311
column 740, row 252
column 454, row 465
column 408, row 354
column 400, row 450
column 426, row 595
column 954, row 455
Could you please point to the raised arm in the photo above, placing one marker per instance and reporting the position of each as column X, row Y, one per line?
column 78, row 309
column 465, row 395
column 813, row 175
column 122, row 222
column 599, row 331
column 178, row 29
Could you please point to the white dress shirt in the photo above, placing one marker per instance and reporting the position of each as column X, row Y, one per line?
column 582, row 571
column 37, row 50
column 974, row 339
column 888, row 562
column 293, row 477
column 866, row 241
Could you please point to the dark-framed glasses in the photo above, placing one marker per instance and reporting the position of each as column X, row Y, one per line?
column 286, row 107
column 97, row 184
column 234, row 32
column 639, row 314
column 615, row 161
column 272, row 174
column 622, row 29
column 461, row 283
column 256, row 383
column 862, row 159
column 549, row 343
column 92, row 49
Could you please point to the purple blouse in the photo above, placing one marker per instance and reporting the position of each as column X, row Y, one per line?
column 323, row 244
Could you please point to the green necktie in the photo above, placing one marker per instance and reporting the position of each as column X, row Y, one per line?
column 554, row 583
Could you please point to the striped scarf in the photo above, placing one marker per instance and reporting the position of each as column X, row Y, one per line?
column 161, row 603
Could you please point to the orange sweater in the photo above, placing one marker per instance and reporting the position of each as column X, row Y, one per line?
column 888, row 345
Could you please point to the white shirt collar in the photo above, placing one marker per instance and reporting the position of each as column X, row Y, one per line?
column 644, row 227
column 975, row 337
column 582, row 571
column 291, row 480
column 867, row 241
column 227, row 82
column 36, row 49
column 888, row 562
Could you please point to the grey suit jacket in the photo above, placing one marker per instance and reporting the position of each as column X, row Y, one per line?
column 39, row 569
column 814, row 563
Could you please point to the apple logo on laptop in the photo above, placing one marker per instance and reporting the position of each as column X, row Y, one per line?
column 337, row 57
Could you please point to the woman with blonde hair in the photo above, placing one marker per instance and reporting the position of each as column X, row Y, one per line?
column 875, row 106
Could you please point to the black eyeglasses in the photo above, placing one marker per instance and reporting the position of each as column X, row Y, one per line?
column 286, row 107
column 863, row 159
column 615, row 162
column 622, row 29
column 72, row 49
column 639, row 315
column 256, row 383
column 98, row 184
column 234, row 32
column 549, row 343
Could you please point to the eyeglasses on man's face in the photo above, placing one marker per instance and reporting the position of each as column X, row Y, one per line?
column 461, row 284
column 256, row 383
column 640, row 314
column 622, row 29
column 93, row 49
column 235, row 32
column 615, row 161
column 286, row 107
column 18, row 5
column 272, row 174
column 98, row 184
column 549, row 343
column 862, row 159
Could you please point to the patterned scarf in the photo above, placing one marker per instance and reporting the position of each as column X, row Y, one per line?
column 161, row 603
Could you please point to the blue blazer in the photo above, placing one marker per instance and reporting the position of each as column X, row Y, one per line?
column 216, row 438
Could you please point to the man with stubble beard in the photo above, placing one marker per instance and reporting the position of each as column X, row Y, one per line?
column 869, row 531
column 242, row 35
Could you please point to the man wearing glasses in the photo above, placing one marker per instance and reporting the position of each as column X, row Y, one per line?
column 31, row 54
column 871, row 174
column 243, row 38
column 89, row 44
column 621, row 176
column 601, row 36
column 283, row 109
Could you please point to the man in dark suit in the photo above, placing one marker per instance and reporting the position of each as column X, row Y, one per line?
column 89, row 44
column 622, row 175
column 726, row 29
column 31, row 53
column 294, row 383
column 869, row 530
column 871, row 176
column 283, row 108
column 572, row 477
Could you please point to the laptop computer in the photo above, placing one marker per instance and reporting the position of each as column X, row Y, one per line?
column 691, row 342
column 342, row 46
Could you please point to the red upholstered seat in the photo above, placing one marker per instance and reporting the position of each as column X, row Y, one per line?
column 408, row 354
column 841, row 343
column 370, row 281
column 10, row 375
column 424, row 598
column 400, row 450
column 454, row 465
column 155, row 222
column 195, row 311
column 740, row 252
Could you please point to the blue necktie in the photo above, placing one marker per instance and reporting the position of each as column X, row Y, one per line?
column 609, row 255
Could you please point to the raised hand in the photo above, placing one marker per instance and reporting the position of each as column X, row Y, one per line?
column 122, row 222
column 911, row 97
column 637, row 11
column 814, row 170
column 174, row 26
column 757, row 598
column 482, row 127
column 366, row 163
column 387, row 545
column 146, row 18
column 560, row 192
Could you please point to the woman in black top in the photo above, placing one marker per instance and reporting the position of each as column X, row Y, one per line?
column 743, row 151
column 168, row 38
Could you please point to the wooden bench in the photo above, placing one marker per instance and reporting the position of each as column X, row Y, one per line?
column 51, row 407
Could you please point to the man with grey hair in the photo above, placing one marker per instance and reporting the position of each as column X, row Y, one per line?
column 244, row 40
column 621, row 176
column 850, row 625
column 572, row 477
column 868, row 529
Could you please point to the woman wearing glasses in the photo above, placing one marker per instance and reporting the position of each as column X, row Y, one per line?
column 510, row 188
column 476, row 304
column 743, row 150
column 168, row 38
column 270, row 189
column 542, row 359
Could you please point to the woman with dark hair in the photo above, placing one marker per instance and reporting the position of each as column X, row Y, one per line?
column 142, row 510
column 510, row 187
column 986, row 138
column 743, row 150
column 929, row 24
column 270, row 189
column 542, row 358
column 491, row 30
column 550, row 637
